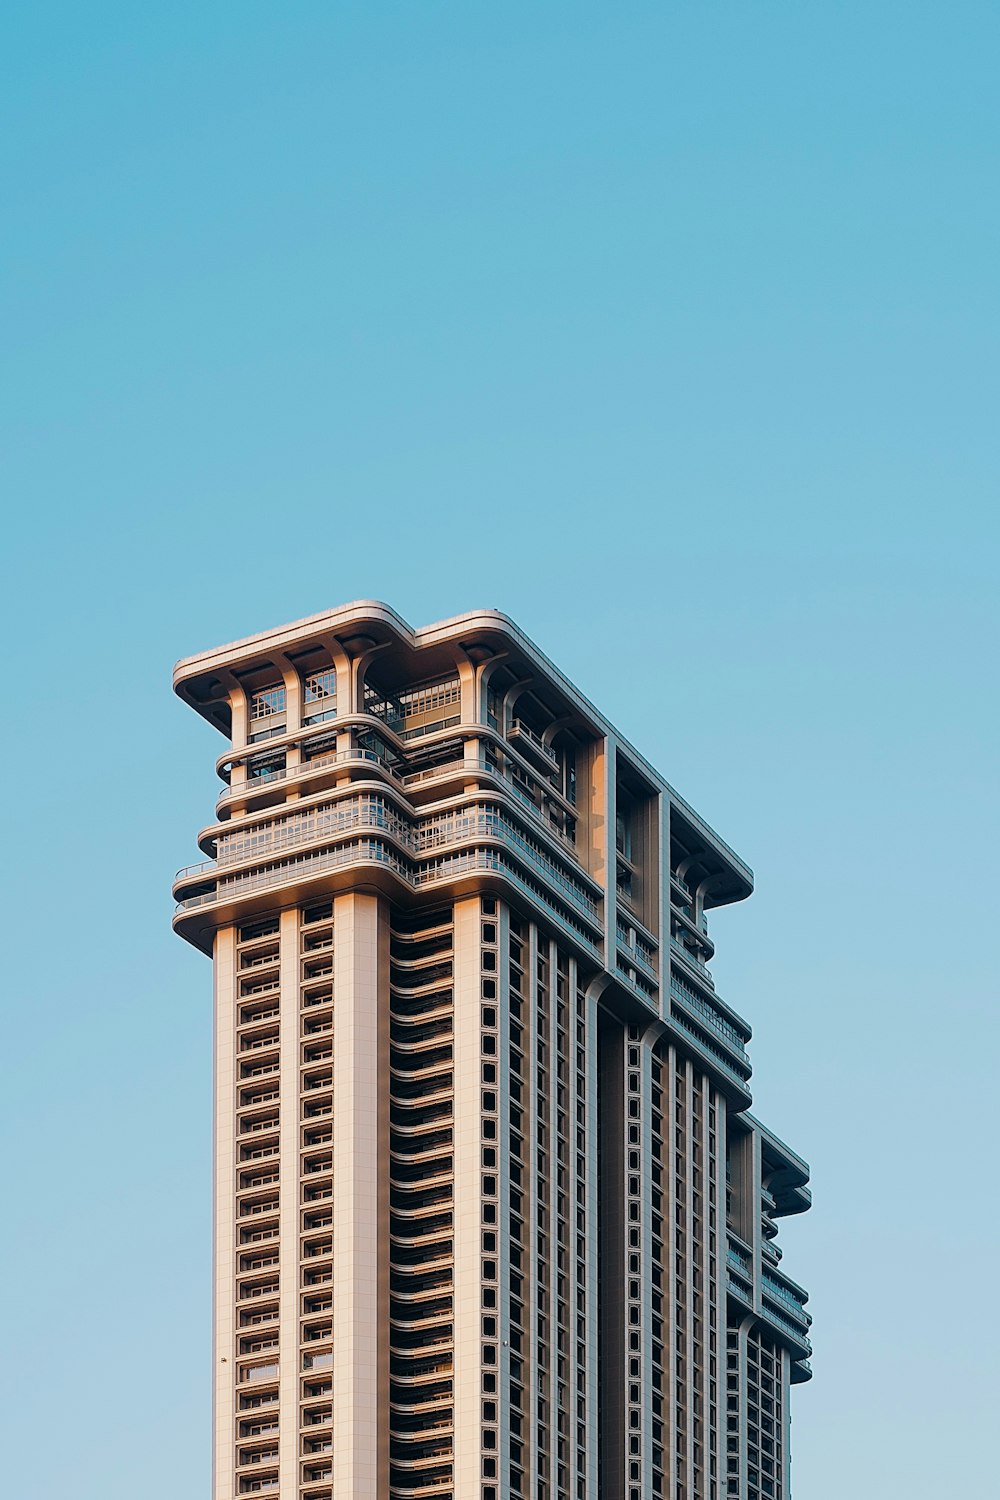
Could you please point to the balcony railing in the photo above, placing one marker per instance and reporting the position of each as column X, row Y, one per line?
column 492, row 824
column 740, row 1260
column 791, row 1326
column 774, row 1288
column 519, row 730
column 689, row 957
column 718, row 1056
column 685, row 996
column 406, row 779
column 637, row 948
column 362, row 814
column 355, row 755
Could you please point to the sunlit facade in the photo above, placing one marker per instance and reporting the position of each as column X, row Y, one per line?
column 492, row 1218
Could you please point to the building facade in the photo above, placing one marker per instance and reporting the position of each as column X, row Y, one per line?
column 492, row 1218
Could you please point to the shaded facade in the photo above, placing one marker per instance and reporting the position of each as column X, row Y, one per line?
column 492, row 1217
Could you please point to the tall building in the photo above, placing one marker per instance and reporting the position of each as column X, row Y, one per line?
column 491, row 1216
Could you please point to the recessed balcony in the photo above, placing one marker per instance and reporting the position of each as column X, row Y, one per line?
column 530, row 743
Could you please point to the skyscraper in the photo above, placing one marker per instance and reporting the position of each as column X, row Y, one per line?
column 491, row 1216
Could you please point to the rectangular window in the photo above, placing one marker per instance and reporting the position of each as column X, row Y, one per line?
column 267, row 702
column 321, row 685
column 267, row 768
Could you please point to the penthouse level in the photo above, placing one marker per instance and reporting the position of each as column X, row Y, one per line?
column 365, row 754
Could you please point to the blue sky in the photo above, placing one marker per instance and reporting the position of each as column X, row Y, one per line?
column 672, row 331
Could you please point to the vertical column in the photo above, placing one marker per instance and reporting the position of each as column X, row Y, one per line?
column 661, row 931
column 535, row 1300
column 224, row 1280
column 466, row 1131
column 603, row 811
column 360, row 1200
column 785, row 1428
column 593, row 1303
column 289, row 1359
column 671, row 1463
column 612, row 1230
column 505, row 1352
column 547, row 950
column 755, row 1234
column 685, row 1387
column 721, row 1281
column 573, row 1209
column 646, row 1262
column 709, row 1317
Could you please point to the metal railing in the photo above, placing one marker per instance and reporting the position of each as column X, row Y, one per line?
column 696, row 963
column 791, row 1326
column 373, row 851
column 408, row 779
column 703, row 1008
column 640, row 950
column 254, row 784
column 775, row 1288
column 369, row 812
column 741, row 1260
column 521, row 730
column 718, row 1056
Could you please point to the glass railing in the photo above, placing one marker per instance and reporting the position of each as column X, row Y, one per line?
column 718, row 1056
column 637, row 948
column 774, row 1288
column 707, row 1012
column 690, row 958
column 740, row 1260
column 792, row 1327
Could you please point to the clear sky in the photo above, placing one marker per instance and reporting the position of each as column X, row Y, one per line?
column 671, row 330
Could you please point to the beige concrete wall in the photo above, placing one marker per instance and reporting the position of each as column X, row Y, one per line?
column 360, row 1200
column 224, row 1281
column 467, row 1199
column 290, row 1190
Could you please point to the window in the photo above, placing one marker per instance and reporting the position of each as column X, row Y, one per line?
column 265, row 768
column 321, row 685
column 267, row 702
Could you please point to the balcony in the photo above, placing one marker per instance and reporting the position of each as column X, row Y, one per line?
column 531, row 743
column 639, row 949
column 713, row 1054
column 787, row 1297
column 704, row 1011
column 334, row 758
column 361, row 814
column 739, row 1258
column 739, row 1265
column 792, row 1328
column 695, row 962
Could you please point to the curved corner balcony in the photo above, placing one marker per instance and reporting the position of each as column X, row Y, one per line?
column 510, row 855
column 266, row 780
